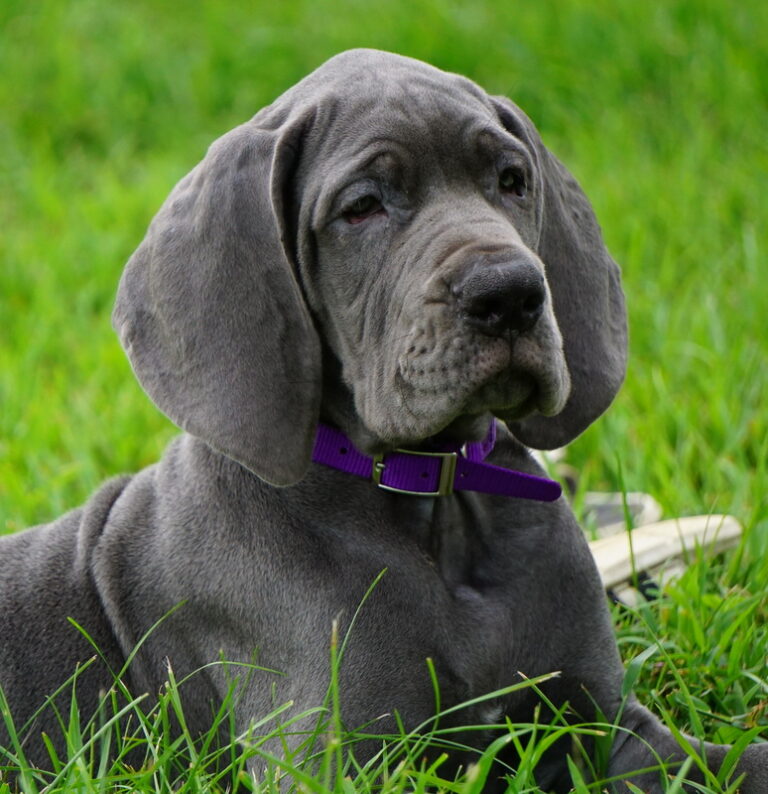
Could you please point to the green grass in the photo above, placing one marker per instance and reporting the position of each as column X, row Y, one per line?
column 135, row 744
column 661, row 111
column 317, row 755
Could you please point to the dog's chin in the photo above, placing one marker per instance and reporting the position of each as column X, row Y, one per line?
column 468, row 427
column 514, row 395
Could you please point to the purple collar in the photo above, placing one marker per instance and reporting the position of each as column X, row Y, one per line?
column 453, row 468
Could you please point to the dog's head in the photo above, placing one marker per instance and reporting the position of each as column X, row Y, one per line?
column 385, row 246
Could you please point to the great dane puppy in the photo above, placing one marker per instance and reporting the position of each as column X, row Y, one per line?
column 392, row 255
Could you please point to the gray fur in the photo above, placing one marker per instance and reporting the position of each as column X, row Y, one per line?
column 253, row 307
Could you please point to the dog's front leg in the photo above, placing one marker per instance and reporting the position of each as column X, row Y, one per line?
column 646, row 744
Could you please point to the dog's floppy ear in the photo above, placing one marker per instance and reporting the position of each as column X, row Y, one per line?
column 586, row 291
column 211, row 314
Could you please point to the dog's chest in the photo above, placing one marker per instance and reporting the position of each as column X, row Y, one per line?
column 451, row 594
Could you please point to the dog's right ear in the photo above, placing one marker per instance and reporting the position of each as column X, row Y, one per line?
column 210, row 311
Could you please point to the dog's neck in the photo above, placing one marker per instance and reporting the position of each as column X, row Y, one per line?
column 439, row 471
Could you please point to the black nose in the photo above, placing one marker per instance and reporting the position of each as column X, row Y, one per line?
column 498, row 298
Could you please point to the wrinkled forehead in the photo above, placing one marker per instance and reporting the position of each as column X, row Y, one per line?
column 363, row 97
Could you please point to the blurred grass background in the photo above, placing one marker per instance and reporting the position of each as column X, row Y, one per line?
column 659, row 109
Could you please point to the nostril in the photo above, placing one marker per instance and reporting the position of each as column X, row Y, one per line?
column 534, row 302
column 489, row 309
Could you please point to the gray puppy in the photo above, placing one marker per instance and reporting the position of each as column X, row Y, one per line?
column 390, row 251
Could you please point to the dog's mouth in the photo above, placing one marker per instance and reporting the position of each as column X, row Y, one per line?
column 446, row 388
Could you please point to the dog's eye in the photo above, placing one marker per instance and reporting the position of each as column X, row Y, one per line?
column 362, row 208
column 512, row 180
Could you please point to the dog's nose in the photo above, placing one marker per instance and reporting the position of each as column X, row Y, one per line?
column 498, row 298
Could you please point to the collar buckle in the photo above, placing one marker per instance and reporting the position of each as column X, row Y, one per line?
column 445, row 480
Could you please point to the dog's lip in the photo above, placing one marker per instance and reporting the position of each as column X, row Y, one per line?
column 534, row 404
column 548, row 387
column 545, row 399
column 557, row 389
column 516, row 413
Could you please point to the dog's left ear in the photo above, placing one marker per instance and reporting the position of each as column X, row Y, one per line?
column 586, row 291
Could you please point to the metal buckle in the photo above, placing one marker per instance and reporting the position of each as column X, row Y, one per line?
column 445, row 481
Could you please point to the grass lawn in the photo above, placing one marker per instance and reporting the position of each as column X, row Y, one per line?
column 659, row 109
